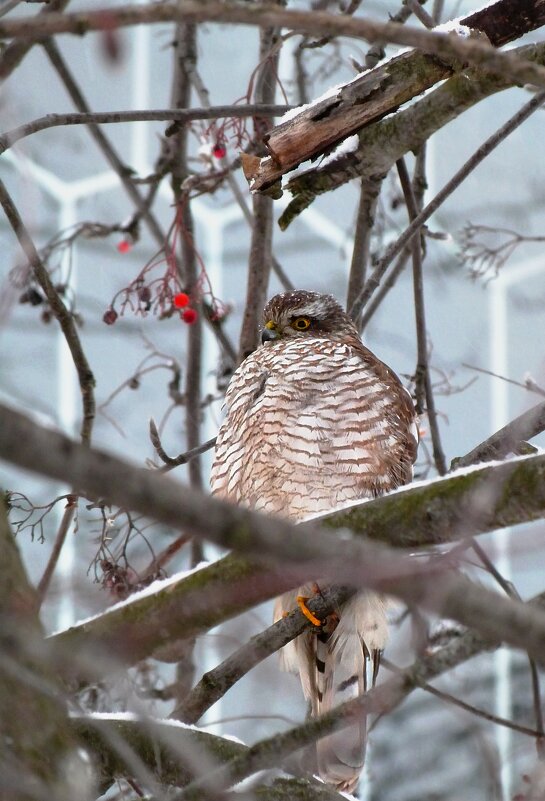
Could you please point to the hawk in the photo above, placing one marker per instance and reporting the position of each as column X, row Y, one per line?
column 314, row 420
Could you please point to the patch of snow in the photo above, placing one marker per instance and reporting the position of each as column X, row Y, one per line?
column 154, row 587
column 348, row 145
column 131, row 717
column 294, row 112
column 453, row 26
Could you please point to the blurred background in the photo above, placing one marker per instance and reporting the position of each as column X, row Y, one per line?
column 492, row 322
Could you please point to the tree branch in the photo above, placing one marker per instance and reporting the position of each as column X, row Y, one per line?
column 9, row 138
column 383, row 143
column 314, row 22
column 218, row 681
column 423, row 387
column 480, row 154
column 456, row 506
column 507, row 440
column 63, row 316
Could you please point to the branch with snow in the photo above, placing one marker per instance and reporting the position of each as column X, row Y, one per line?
column 378, row 701
column 458, row 506
column 163, row 746
column 382, row 143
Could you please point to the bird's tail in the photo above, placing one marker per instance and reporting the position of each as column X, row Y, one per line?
column 336, row 665
column 347, row 661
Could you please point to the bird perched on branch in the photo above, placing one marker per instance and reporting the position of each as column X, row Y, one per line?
column 314, row 420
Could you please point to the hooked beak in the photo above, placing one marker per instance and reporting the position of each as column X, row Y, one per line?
column 269, row 333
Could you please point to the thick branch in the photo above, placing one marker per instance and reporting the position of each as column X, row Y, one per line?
column 529, row 13
column 161, row 747
column 173, row 754
column 384, row 142
column 457, row 506
column 370, row 96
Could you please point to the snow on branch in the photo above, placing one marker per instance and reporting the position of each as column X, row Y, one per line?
column 473, row 501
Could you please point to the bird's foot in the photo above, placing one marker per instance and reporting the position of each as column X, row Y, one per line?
column 301, row 603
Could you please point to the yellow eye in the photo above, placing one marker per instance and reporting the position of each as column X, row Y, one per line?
column 301, row 323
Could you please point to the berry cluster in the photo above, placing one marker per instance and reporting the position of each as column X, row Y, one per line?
column 181, row 301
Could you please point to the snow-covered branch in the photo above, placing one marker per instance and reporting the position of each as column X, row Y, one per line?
column 458, row 506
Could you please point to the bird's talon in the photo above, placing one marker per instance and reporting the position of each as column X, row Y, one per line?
column 301, row 603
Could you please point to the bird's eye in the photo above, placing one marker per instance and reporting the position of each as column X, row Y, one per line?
column 300, row 323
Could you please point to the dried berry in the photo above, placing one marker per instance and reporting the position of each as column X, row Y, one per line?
column 110, row 316
column 144, row 294
column 31, row 296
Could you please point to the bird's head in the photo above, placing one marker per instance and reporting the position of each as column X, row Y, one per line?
column 304, row 314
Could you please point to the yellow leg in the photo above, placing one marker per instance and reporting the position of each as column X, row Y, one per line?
column 301, row 602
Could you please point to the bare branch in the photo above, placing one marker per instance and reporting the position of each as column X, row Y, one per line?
column 260, row 257
column 64, row 527
column 484, row 150
column 63, row 316
column 218, row 681
column 507, row 440
column 365, row 220
column 423, row 387
column 310, row 22
column 183, row 458
column 9, row 138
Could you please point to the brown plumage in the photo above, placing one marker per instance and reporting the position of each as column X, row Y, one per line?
column 314, row 420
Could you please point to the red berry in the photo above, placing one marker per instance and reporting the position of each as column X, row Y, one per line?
column 181, row 300
column 219, row 151
column 124, row 246
column 189, row 316
column 109, row 317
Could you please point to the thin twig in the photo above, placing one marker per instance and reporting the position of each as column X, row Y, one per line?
column 529, row 384
column 483, row 151
column 61, row 313
column 481, row 713
column 423, row 386
column 9, row 138
column 365, row 220
column 64, row 527
column 183, row 458
column 218, row 681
